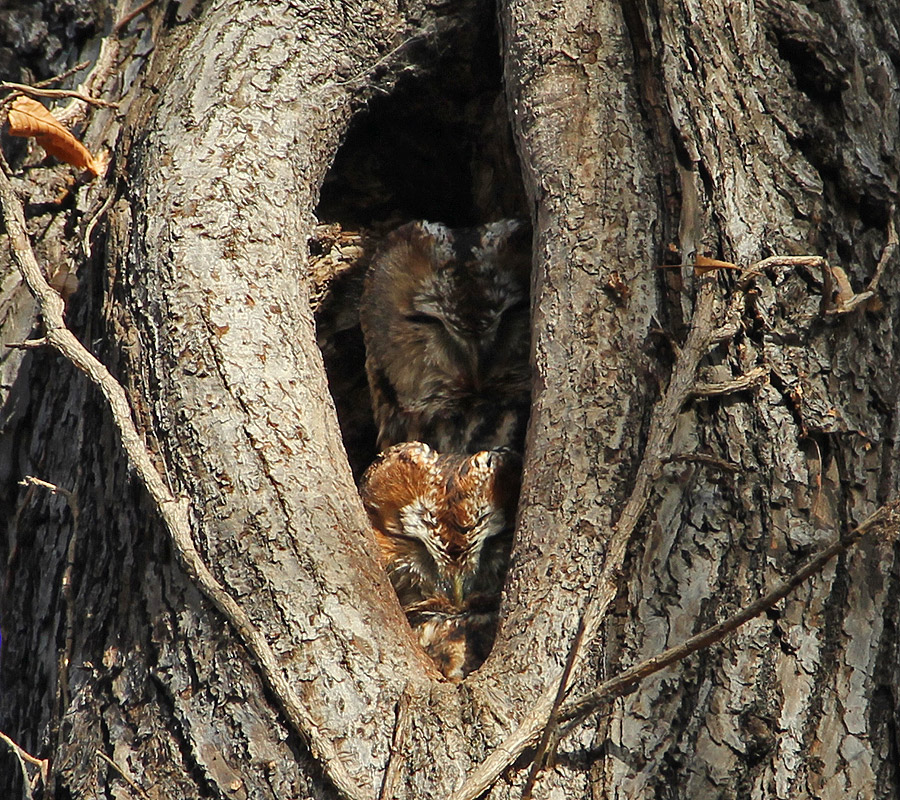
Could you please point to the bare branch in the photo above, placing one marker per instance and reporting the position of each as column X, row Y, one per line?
column 844, row 300
column 62, row 75
column 30, row 480
column 550, row 727
column 31, row 91
column 754, row 377
column 89, row 228
column 174, row 512
column 705, row 458
column 705, row 332
column 94, row 82
column 887, row 253
column 577, row 711
column 123, row 22
column 759, row 267
column 132, row 785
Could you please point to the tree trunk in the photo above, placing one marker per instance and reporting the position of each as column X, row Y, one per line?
column 648, row 135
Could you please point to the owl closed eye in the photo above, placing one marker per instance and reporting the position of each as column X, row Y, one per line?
column 445, row 318
column 443, row 525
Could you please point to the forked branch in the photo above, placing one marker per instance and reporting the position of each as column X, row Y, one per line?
column 174, row 512
column 681, row 386
column 705, row 332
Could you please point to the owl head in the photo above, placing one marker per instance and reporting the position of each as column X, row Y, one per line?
column 456, row 296
column 445, row 317
column 443, row 524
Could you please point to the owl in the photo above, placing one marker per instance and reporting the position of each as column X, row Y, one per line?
column 445, row 319
column 444, row 525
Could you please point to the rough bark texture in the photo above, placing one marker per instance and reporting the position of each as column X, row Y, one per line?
column 803, row 704
column 647, row 133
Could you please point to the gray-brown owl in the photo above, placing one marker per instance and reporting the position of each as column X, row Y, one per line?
column 445, row 317
column 444, row 526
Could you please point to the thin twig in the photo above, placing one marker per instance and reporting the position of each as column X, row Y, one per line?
column 24, row 88
column 22, row 756
column 550, row 727
column 62, row 75
column 887, row 253
column 123, row 23
column 578, row 710
column 93, row 83
column 30, row 480
column 785, row 261
column 382, row 60
column 89, row 228
column 832, row 308
column 134, row 787
column 704, row 458
column 174, row 512
column 41, row 763
column 705, row 332
column 748, row 380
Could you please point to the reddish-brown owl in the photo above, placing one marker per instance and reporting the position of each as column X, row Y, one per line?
column 444, row 526
column 445, row 317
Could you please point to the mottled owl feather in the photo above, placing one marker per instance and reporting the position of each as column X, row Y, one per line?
column 444, row 525
column 445, row 318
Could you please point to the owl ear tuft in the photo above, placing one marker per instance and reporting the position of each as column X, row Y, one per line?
column 511, row 239
column 420, row 247
column 397, row 476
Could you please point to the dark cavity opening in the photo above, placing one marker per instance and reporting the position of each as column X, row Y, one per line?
column 437, row 146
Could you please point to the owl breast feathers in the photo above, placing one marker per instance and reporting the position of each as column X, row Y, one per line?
column 444, row 525
column 445, row 316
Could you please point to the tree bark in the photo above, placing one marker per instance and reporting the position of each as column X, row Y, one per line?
column 648, row 135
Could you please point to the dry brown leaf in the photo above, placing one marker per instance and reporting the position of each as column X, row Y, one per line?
column 844, row 292
column 28, row 117
column 702, row 265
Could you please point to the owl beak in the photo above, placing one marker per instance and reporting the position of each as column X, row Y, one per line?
column 458, row 589
column 473, row 356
